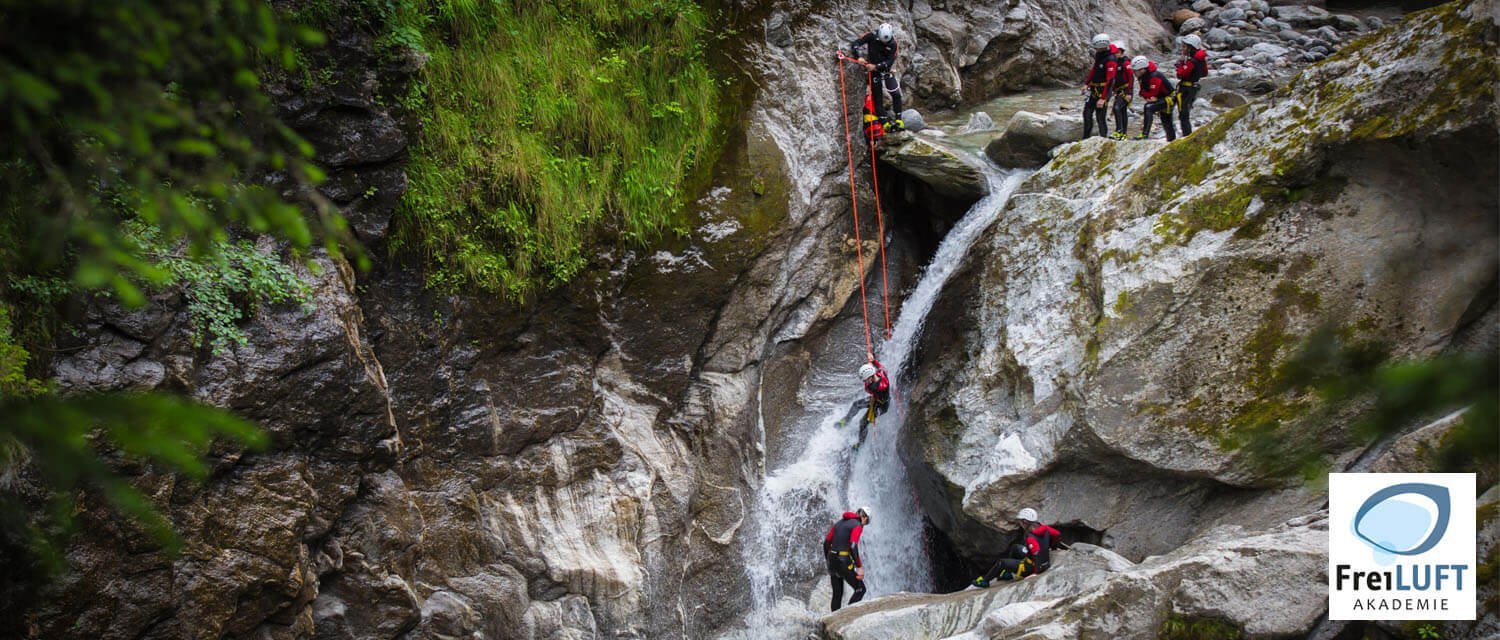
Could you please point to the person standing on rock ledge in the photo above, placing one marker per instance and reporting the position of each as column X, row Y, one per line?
column 1192, row 67
column 1124, row 90
column 1097, row 86
column 881, row 50
column 841, row 548
column 1159, row 95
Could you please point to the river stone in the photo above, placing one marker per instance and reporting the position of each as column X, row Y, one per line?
column 1192, row 25
column 1203, row 5
column 1029, row 136
column 1228, row 100
column 1232, row 15
column 913, row 120
column 1346, row 22
column 1216, row 37
column 978, row 121
column 1183, row 15
column 936, row 165
column 1302, row 16
column 1374, row 23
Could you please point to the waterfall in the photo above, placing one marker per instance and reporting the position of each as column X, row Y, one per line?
column 799, row 499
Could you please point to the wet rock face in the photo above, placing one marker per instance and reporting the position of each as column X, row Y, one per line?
column 1135, row 299
column 966, row 52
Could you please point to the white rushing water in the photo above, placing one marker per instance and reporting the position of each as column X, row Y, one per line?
column 799, row 499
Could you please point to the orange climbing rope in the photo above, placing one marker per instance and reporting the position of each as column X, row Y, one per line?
column 885, row 291
column 879, row 217
column 859, row 250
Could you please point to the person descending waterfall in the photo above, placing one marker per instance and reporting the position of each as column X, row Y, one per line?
column 1026, row 559
column 841, row 548
column 1192, row 67
column 1159, row 95
column 878, row 385
column 1097, row 85
column 1124, row 91
column 881, row 49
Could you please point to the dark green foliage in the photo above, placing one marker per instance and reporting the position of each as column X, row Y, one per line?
column 135, row 143
column 56, row 437
column 1339, row 371
column 215, row 283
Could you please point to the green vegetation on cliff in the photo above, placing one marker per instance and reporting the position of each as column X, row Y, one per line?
column 547, row 128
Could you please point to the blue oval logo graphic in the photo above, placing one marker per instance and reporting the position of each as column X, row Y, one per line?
column 1403, row 527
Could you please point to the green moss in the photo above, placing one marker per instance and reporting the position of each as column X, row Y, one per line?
column 1180, row 627
column 1122, row 303
column 1185, row 162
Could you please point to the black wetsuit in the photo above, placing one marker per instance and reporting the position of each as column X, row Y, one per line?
column 883, row 56
column 1100, row 81
column 841, row 547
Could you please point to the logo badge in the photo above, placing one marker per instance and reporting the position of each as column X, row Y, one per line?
column 1401, row 546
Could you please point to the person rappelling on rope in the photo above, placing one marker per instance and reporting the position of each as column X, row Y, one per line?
column 841, row 548
column 880, row 55
column 1192, row 67
column 878, row 385
column 1160, row 97
column 1097, row 86
column 1124, row 89
column 1027, row 558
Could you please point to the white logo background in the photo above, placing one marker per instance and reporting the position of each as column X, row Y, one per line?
column 1400, row 523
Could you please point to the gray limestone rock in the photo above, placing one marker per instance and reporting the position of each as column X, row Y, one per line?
column 1192, row 26
column 936, row 165
column 1029, row 136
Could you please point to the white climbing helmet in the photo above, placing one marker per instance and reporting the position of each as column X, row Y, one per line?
column 1119, row 44
column 864, row 512
column 1101, row 42
column 1028, row 514
column 885, row 32
column 866, row 370
column 1192, row 40
column 1140, row 63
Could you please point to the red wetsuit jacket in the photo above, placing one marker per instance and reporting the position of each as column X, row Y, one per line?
column 844, row 536
column 1040, row 541
column 881, row 387
column 1155, row 85
column 1101, row 75
column 1193, row 68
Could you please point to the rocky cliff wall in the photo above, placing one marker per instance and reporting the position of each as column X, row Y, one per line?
column 1123, row 324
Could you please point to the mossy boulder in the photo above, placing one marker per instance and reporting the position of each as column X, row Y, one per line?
column 1134, row 307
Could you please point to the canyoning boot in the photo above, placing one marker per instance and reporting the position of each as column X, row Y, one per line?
column 981, row 583
column 896, row 125
column 1118, row 135
column 1139, row 136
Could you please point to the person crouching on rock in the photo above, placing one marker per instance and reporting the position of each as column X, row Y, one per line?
column 1159, row 95
column 878, row 385
column 841, row 547
column 1192, row 67
column 1124, row 89
column 880, row 55
column 1027, row 559
column 1097, row 85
